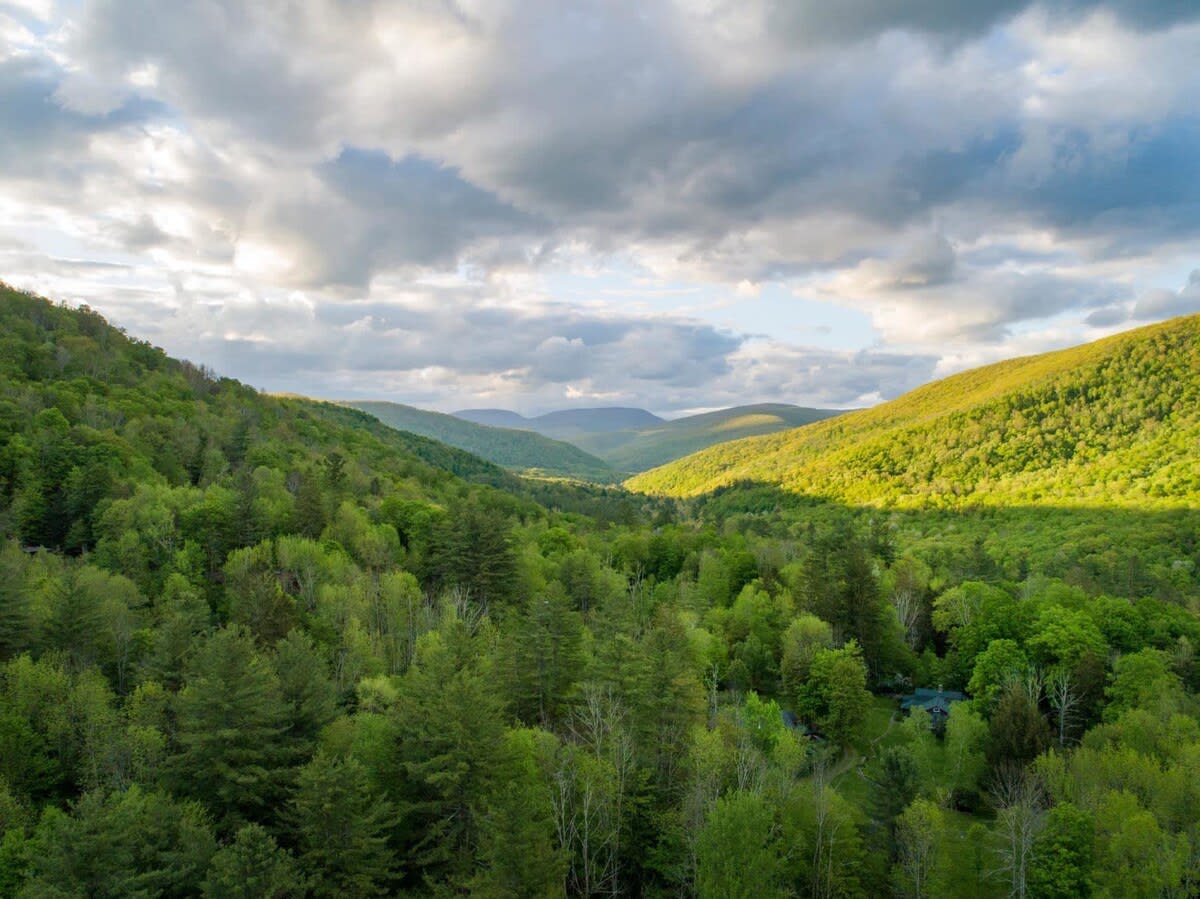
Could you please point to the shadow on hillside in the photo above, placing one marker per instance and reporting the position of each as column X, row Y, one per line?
column 1126, row 552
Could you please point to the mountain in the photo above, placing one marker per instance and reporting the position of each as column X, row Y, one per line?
column 594, row 421
column 661, row 443
column 494, row 418
column 1115, row 422
column 565, row 424
column 520, row 450
column 631, row 440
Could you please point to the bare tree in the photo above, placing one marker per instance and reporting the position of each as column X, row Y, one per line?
column 584, row 822
column 1064, row 699
column 600, row 725
column 1018, row 798
column 907, row 602
column 919, row 836
column 826, row 832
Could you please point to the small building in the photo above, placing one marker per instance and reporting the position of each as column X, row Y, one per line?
column 936, row 702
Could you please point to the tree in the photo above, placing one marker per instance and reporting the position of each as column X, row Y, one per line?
column 1062, row 855
column 1064, row 699
column 965, row 741
column 136, row 844
column 447, row 726
column 919, row 833
column 519, row 846
column 1134, row 857
column 907, row 588
column 802, row 640
column 254, row 596
column 471, row 549
column 232, row 719
column 543, row 655
column 253, row 866
column 341, row 829
column 182, row 615
column 1018, row 733
column 1017, row 797
column 835, row 697
column 1063, row 637
column 16, row 621
column 1001, row 663
column 739, row 855
column 897, row 782
column 1140, row 680
column 305, row 687
column 73, row 620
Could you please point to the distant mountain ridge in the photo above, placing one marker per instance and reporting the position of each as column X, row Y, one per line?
column 563, row 423
column 632, row 440
column 515, row 449
column 1110, row 423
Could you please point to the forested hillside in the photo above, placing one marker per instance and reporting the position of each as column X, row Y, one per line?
column 1115, row 422
column 632, row 440
column 658, row 444
column 253, row 647
column 519, row 450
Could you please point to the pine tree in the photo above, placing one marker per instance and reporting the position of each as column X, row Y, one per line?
column 543, row 656
column 341, row 829
column 15, row 621
column 253, row 866
column 232, row 719
column 519, row 848
column 448, row 729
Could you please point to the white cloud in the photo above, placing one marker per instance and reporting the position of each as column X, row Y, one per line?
column 387, row 197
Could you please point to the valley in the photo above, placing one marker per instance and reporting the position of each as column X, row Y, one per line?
column 233, row 625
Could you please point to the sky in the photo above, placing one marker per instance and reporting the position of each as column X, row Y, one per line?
column 537, row 204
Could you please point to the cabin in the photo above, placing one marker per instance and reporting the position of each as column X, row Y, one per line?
column 936, row 702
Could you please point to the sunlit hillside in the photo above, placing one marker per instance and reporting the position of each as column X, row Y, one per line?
column 1115, row 422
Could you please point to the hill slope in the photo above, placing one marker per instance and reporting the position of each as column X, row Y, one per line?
column 661, row 443
column 89, row 414
column 565, row 424
column 522, row 450
column 631, row 440
column 1115, row 422
column 495, row 418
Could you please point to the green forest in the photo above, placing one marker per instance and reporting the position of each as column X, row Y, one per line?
column 524, row 451
column 1111, row 423
column 268, row 647
column 653, row 445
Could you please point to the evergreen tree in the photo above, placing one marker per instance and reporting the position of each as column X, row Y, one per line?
column 448, row 728
column 253, row 866
column 16, row 621
column 133, row 844
column 306, row 688
column 341, row 829
column 543, row 656
column 1018, row 731
column 519, row 844
column 232, row 720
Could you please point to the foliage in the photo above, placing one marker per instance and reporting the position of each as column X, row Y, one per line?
column 1112, row 423
column 511, row 448
column 260, row 646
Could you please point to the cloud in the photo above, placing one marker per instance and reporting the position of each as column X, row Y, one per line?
column 391, row 196
column 1158, row 304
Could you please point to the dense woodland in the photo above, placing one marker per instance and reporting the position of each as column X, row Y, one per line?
column 255, row 647
column 518, row 450
column 1111, row 423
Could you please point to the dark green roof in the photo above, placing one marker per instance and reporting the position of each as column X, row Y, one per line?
column 931, row 700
